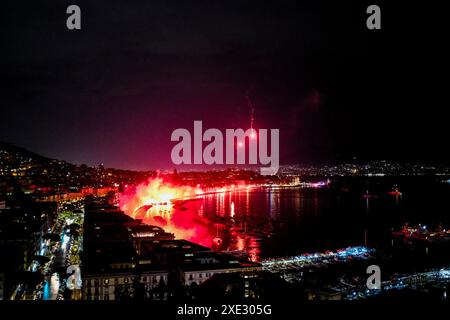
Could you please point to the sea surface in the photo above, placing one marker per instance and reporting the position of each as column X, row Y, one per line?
column 276, row 222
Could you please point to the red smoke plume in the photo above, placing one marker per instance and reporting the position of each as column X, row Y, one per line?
column 174, row 208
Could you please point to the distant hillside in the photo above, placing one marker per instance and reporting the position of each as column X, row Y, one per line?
column 12, row 154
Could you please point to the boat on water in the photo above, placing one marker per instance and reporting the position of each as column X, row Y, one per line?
column 423, row 234
column 238, row 253
column 395, row 191
column 217, row 241
column 368, row 195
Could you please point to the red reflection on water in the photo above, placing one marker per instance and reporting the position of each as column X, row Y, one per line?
column 200, row 216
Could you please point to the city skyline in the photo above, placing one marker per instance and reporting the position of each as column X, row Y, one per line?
column 330, row 168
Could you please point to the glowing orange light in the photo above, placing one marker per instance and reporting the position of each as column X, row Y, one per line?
column 177, row 209
column 155, row 202
column 232, row 210
column 240, row 244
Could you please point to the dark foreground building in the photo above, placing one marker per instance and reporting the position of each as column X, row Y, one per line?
column 124, row 259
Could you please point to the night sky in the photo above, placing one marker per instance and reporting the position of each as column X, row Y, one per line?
column 114, row 91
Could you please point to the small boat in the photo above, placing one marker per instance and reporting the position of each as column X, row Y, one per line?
column 217, row 241
column 394, row 191
column 367, row 195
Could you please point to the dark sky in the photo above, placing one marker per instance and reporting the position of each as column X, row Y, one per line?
column 114, row 91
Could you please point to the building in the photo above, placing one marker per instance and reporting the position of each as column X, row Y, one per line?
column 197, row 267
column 2, row 284
column 115, row 267
column 21, row 236
column 142, row 233
column 125, row 259
column 238, row 286
column 113, row 271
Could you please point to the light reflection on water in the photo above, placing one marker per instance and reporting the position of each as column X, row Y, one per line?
column 277, row 222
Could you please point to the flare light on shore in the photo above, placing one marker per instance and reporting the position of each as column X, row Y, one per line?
column 164, row 204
